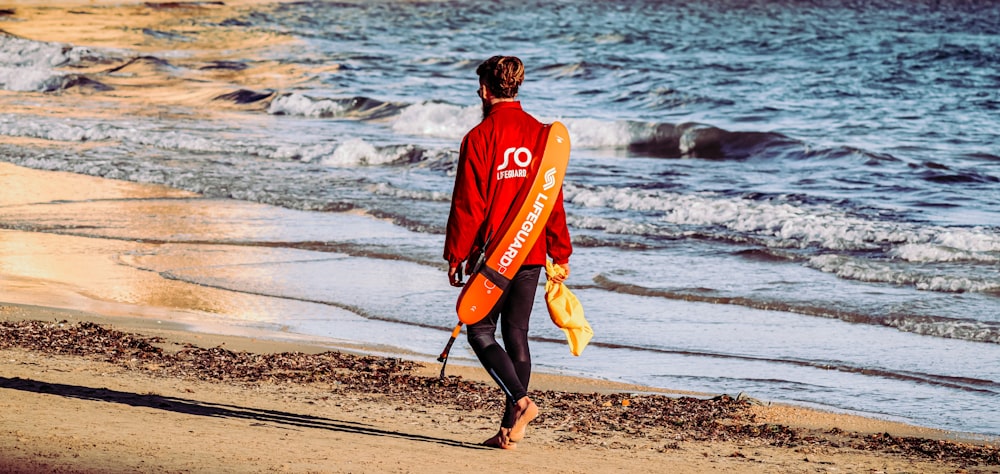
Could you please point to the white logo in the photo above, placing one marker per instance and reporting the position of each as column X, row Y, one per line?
column 522, row 156
column 550, row 179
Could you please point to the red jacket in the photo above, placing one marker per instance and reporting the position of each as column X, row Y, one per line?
column 492, row 168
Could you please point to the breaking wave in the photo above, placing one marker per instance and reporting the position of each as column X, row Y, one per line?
column 362, row 108
column 349, row 153
column 784, row 225
column 35, row 66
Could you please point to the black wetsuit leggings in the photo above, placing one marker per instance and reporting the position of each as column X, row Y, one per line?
column 511, row 368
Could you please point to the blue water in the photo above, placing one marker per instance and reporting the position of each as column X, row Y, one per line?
column 798, row 200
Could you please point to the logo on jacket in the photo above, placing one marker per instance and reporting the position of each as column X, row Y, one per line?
column 521, row 157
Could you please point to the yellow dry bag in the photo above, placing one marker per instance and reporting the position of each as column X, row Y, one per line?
column 566, row 312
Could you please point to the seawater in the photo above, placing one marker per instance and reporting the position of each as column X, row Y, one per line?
column 796, row 200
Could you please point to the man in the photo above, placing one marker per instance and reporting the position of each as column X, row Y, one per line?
column 493, row 166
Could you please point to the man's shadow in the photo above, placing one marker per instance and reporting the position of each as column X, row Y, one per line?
column 200, row 408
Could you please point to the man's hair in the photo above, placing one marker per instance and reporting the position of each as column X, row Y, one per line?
column 502, row 75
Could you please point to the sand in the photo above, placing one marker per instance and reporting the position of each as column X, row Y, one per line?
column 81, row 413
column 109, row 410
column 93, row 412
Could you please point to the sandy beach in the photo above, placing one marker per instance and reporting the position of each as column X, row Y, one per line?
column 97, row 381
column 80, row 394
column 106, row 367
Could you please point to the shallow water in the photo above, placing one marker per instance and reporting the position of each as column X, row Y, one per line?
column 798, row 200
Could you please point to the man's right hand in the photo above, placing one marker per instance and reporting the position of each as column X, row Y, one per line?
column 455, row 276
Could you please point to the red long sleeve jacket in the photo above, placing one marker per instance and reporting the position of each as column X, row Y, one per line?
column 492, row 167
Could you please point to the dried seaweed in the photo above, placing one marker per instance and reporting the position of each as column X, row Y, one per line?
column 583, row 417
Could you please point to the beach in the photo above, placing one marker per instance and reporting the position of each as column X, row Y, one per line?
column 73, row 413
column 221, row 226
column 80, row 393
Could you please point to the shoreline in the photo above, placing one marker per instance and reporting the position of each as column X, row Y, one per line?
column 266, row 342
column 49, row 281
column 55, row 275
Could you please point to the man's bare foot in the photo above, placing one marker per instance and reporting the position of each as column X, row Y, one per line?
column 524, row 411
column 501, row 440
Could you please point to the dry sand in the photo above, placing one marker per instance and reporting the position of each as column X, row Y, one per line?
column 63, row 412
column 81, row 413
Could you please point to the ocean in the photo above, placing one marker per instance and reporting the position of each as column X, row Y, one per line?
column 796, row 200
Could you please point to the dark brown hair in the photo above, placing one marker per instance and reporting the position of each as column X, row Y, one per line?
column 502, row 75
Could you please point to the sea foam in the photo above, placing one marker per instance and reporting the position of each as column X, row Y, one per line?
column 891, row 273
column 436, row 119
column 793, row 226
column 31, row 66
column 357, row 152
column 298, row 104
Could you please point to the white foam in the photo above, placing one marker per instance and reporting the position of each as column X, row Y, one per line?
column 298, row 104
column 927, row 253
column 357, row 152
column 140, row 133
column 963, row 330
column 31, row 66
column 439, row 120
column 351, row 153
column 18, row 52
column 613, row 226
column 26, row 79
column 886, row 272
column 304, row 153
column 14, row 125
column 793, row 226
column 593, row 133
column 974, row 239
column 385, row 189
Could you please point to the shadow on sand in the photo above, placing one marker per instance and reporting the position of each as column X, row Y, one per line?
column 200, row 408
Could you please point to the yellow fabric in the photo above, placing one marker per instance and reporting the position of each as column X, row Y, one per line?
column 566, row 311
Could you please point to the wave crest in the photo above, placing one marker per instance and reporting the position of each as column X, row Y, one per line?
column 363, row 108
column 695, row 140
column 33, row 66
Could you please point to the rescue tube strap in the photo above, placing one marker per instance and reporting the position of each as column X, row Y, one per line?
column 495, row 277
